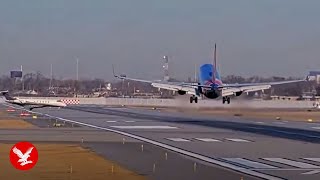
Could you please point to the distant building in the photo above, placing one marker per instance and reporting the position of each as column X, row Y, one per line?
column 109, row 87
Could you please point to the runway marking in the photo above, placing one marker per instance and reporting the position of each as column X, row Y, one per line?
column 312, row 159
column 318, row 127
column 311, row 172
column 129, row 121
column 292, row 163
column 251, row 164
column 111, row 121
column 207, row 139
column 279, row 123
column 178, row 139
column 144, row 127
column 169, row 147
column 237, row 140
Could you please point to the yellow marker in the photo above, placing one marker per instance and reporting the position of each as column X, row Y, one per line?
column 35, row 117
column 310, row 120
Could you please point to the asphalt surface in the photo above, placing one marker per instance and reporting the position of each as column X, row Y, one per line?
column 280, row 149
column 149, row 160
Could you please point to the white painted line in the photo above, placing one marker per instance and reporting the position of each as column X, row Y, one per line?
column 317, row 127
column 207, row 139
column 111, row 121
column 251, row 164
column 312, row 159
column 144, row 127
column 172, row 148
column 311, row 172
column 292, row 163
column 129, row 121
column 260, row 122
column 237, row 140
column 279, row 123
column 178, row 139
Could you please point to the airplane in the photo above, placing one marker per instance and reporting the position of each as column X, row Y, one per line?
column 210, row 84
column 33, row 103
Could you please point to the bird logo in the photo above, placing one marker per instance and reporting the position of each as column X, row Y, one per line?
column 26, row 160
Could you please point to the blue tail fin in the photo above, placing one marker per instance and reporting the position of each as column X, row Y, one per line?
column 209, row 74
column 206, row 75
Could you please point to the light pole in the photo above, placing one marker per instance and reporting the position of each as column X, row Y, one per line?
column 77, row 77
column 77, row 69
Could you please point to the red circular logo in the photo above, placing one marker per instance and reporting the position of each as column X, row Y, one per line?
column 23, row 156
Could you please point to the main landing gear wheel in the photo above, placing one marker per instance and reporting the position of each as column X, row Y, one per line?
column 194, row 98
column 226, row 99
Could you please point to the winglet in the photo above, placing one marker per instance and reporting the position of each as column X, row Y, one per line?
column 307, row 78
column 122, row 76
column 113, row 71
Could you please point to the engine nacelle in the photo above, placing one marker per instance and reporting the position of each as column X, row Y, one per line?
column 180, row 92
column 238, row 93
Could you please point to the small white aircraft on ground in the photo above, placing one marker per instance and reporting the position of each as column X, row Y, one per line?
column 33, row 103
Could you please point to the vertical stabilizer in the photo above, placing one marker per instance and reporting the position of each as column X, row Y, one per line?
column 214, row 65
column 6, row 95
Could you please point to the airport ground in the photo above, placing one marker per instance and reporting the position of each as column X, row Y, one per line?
column 292, row 114
column 93, row 154
column 162, row 144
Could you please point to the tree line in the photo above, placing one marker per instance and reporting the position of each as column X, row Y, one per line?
column 68, row 87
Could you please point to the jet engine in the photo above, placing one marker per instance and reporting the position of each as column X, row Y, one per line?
column 238, row 93
column 180, row 92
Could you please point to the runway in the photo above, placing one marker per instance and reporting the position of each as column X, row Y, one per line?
column 267, row 149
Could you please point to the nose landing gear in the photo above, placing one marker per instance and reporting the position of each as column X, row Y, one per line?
column 194, row 98
column 226, row 99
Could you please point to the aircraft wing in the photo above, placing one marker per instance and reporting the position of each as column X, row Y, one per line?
column 232, row 89
column 189, row 88
column 131, row 79
column 266, row 83
column 227, row 89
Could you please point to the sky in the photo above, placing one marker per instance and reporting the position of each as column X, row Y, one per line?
column 265, row 37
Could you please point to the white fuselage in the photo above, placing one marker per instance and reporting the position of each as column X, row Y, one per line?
column 38, row 102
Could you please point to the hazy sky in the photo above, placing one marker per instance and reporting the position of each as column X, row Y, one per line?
column 254, row 37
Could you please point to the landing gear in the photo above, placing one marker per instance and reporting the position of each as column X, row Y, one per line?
column 226, row 99
column 194, row 98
